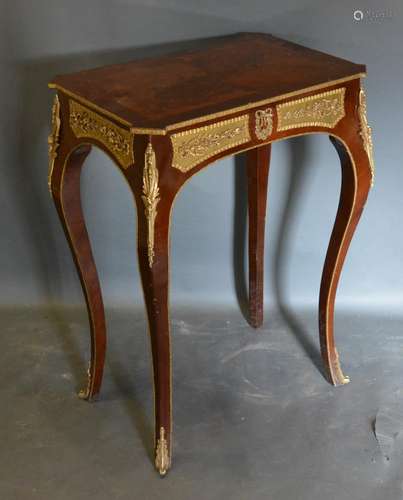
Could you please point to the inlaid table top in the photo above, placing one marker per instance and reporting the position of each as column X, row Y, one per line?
column 223, row 75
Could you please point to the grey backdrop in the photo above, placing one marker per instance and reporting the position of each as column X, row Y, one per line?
column 42, row 38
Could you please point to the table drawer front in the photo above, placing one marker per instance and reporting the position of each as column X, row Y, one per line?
column 191, row 147
column 319, row 110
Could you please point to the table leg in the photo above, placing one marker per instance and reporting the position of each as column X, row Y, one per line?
column 153, row 209
column 65, row 187
column 258, row 163
column 356, row 179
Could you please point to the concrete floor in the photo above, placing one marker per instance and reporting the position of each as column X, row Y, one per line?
column 253, row 417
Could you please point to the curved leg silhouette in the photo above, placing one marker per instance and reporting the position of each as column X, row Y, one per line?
column 155, row 281
column 153, row 213
column 258, row 163
column 355, row 185
column 65, row 189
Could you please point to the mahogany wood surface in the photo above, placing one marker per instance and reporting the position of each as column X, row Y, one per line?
column 187, row 85
column 66, row 191
column 258, row 162
column 222, row 73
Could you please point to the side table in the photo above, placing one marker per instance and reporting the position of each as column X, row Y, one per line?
column 163, row 119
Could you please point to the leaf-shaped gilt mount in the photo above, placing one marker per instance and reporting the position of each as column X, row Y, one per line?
column 53, row 138
column 150, row 198
column 366, row 132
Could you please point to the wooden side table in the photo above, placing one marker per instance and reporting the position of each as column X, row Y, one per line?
column 161, row 120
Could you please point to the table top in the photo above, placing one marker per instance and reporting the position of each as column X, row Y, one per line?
column 217, row 77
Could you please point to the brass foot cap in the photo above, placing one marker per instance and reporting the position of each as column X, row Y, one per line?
column 342, row 381
column 162, row 472
column 83, row 394
column 162, row 460
column 86, row 396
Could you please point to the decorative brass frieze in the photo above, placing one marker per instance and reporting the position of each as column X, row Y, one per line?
column 150, row 197
column 263, row 123
column 53, row 138
column 161, row 454
column 320, row 110
column 86, row 123
column 191, row 147
column 210, row 116
column 366, row 132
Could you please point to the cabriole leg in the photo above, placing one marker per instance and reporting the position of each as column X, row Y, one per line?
column 64, row 183
column 356, row 182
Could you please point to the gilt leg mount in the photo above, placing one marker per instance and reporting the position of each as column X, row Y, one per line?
column 162, row 460
column 366, row 133
column 85, row 393
column 150, row 198
column 336, row 369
